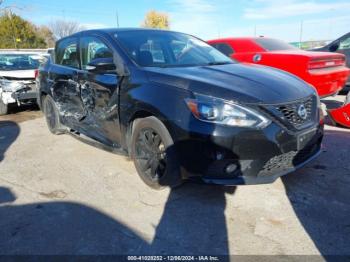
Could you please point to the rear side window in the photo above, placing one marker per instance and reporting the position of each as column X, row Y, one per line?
column 93, row 48
column 224, row 48
column 67, row 53
column 273, row 44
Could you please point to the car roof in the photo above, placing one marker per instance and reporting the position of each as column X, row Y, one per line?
column 112, row 31
column 126, row 29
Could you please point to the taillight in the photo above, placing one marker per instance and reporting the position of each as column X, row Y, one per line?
column 319, row 63
column 36, row 73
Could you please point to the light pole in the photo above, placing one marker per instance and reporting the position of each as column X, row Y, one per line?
column 254, row 30
column 117, row 17
column 301, row 33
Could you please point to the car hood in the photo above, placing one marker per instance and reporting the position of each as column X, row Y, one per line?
column 18, row 74
column 237, row 82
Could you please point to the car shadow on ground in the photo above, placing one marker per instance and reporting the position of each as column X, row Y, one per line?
column 193, row 222
column 22, row 113
column 9, row 132
column 320, row 195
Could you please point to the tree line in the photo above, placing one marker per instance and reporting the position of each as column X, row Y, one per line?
column 17, row 32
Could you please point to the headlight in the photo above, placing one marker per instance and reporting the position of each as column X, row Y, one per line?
column 224, row 112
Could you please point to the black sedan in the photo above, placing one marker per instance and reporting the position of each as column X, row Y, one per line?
column 180, row 108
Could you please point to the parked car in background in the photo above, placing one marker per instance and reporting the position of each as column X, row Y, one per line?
column 341, row 46
column 17, row 78
column 180, row 108
column 325, row 71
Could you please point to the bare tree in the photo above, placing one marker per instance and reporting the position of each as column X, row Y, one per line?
column 62, row 28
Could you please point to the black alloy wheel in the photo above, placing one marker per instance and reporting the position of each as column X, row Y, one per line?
column 150, row 154
column 151, row 150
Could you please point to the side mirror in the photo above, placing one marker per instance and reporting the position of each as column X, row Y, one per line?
column 334, row 47
column 101, row 65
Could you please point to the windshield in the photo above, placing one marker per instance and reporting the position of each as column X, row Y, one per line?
column 273, row 44
column 168, row 49
column 10, row 62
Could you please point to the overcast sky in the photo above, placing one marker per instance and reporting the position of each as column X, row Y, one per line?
column 322, row 20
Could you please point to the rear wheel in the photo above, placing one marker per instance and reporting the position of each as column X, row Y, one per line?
column 3, row 108
column 52, row 116
column 153, row 154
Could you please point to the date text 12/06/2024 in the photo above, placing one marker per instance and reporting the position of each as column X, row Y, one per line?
column 173, row 258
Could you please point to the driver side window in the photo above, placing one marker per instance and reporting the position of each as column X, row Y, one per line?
column 93, row 48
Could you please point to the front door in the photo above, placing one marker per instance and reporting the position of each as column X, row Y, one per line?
column 99, row 91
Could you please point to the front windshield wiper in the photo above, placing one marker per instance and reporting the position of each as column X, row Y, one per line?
column 219, row 63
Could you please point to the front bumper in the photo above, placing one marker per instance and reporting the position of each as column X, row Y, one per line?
column 25, row 94
column 261, row 156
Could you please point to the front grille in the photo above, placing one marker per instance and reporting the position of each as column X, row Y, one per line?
column 285, row 162
column 298, row 115
column 278, row 164
column 291, row 114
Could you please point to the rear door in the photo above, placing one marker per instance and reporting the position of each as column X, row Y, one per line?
column 64, row 78
column 99, row 90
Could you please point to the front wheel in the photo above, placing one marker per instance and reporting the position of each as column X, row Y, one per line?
column 153, row 153
column 3, row 108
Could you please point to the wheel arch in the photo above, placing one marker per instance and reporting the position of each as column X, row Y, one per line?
column 143, row 113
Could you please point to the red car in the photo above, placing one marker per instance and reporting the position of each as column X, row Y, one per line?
column 326, row 71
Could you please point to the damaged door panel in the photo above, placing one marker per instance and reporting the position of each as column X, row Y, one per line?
column 99, row 87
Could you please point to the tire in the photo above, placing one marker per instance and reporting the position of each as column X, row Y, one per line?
column 3, row 108
column 153, row 153
column 52, row 116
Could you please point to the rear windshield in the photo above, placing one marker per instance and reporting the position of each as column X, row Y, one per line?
column 274, row 44
column 9, row 62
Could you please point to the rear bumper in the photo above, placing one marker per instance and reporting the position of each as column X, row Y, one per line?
column 328, row 81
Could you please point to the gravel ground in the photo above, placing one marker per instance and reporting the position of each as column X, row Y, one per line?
column 61, row 196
